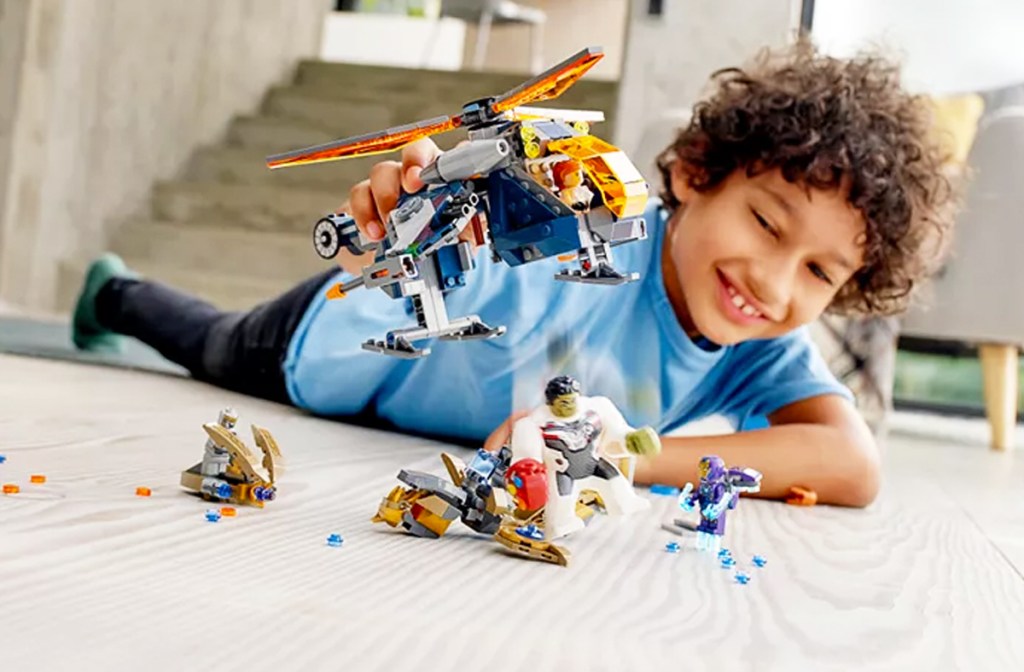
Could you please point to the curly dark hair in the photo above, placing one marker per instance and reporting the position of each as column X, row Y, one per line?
column 832, row 123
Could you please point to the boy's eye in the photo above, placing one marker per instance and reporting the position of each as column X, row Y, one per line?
column 764, row 223
column 820, row 274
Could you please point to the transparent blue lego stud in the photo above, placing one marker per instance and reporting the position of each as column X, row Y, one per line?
column 212, row 515
column 742, row 578
column 335, row 540
column 672, row 547
column 224, row 491
column 759, row 561
column 3, row 458
column 728, row 562
column 724, row 553
column 667, row 490
column 530, row 531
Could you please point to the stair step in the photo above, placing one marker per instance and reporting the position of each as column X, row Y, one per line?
column 349, row 76
column 412, row 98
column 272, row 135
column 237, row 252
column 234, row 165
column 280, row 209
column 350, row 115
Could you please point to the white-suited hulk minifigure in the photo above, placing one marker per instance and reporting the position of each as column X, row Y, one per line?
column 579, row 439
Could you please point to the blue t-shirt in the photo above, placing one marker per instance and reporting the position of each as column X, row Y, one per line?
column 623, row 342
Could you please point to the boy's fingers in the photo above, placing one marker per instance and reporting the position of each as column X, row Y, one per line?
column 415, row 157
column 385, row 186
column 364, row 210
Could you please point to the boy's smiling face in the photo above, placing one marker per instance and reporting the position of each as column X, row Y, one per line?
column 757, row 257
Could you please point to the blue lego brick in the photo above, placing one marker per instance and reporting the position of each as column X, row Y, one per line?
column 212, row 515
column 522, row 228
column 450, row 272
column 759, row 561
column 335, row 540
column 672, row 547
column 742, row 578
column 483, row 463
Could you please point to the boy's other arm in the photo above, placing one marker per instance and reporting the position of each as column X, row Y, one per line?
column 820, row 443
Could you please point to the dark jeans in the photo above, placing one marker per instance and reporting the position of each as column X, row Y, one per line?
column 243, row 352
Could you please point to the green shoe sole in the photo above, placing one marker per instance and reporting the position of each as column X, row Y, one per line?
column 86, row 331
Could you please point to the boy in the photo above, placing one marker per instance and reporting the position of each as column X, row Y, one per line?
column 801, row 184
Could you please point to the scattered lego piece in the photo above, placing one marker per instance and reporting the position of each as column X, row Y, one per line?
column 212, row 515
column 742, row 578
column 530, row 531
column 37, row 478
column 228, row 511
column 531, row 548
column 335, row 540
column 798, row 496
column 11, row 489
column 672, row 547
column 230, row 470
column 142, row 491
column 728, row 562
column 668, row 490
column 3, row 458
column 759, row 561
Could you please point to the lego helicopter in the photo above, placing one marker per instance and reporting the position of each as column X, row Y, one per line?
column 531, row 183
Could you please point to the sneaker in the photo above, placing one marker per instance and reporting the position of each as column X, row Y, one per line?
column 86, row 331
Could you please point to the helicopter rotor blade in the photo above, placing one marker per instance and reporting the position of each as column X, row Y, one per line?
column 524, row 113
column 551, row 83
column 377, row 142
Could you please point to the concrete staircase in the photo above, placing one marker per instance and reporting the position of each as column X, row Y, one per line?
column 235, row 233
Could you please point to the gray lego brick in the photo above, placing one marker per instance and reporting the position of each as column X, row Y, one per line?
column 52, row 340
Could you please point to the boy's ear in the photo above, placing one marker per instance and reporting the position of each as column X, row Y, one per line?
column 681, row 188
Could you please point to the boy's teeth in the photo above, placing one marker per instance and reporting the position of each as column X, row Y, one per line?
column 738, row 301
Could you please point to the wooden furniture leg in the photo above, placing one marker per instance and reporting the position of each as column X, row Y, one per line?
column 999, row 372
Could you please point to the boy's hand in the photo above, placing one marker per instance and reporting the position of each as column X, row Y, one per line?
column 371, row 201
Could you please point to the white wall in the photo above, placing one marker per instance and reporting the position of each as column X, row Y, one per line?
column 947, row 47
column 111, row 95
column 668, row 58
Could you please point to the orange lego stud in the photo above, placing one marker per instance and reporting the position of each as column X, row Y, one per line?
column 798, row 496
column 143, row 492
column 11, row 489
column 227, row 511
column 37, row 478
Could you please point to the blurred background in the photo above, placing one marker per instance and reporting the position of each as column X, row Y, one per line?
column 142, row 128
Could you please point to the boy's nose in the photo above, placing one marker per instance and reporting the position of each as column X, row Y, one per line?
column 772, row 285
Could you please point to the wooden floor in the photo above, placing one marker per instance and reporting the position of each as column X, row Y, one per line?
column 94, row 578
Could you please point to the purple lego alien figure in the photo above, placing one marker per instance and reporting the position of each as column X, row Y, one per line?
column 719, row 490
